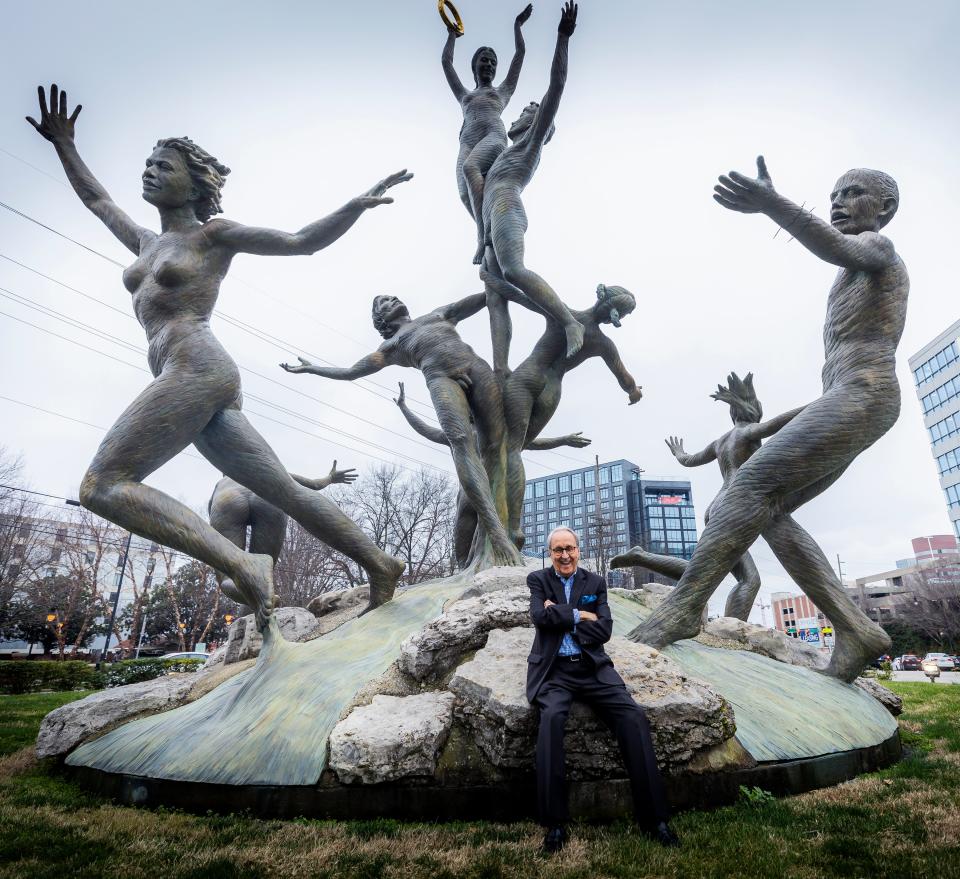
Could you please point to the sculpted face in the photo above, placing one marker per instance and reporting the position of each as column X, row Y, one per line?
column 524, row 121
column 858, row 204
column 617, row 302
column 485, row 68
column 565, row 552
column 166, row 179
column 389, row 308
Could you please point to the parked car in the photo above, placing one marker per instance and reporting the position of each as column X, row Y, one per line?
column 909, row 662
column 943, row 661
column 187, row 655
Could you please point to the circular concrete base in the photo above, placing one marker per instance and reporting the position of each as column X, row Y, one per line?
column 429, row 801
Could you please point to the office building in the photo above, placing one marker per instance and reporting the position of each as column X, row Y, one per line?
column 798, row 617
column 936, row 375
column 612, row 507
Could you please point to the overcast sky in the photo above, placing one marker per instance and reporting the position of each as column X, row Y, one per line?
column 311, row 103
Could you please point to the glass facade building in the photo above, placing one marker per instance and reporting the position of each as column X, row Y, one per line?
column 936, row 376
column 656, row 513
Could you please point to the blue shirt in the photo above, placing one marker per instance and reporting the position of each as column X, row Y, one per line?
column 568, row 646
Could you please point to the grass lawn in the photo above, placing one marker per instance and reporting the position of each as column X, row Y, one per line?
column 899, row 823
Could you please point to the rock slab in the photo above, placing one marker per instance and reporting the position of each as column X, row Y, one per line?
column 245, row 642
column 66, row 727
column 392, row 737
column 887, row 698
column 731, row 632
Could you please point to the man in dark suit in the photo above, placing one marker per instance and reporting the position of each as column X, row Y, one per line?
column 569, row 609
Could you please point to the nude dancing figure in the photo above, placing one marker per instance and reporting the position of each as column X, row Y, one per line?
column 504, row 219
column 866, row 309
column 531, row 393
column 730, row 452
column 232, row 509
column 483, row 135
column 465, row 395
column 195, row 395
column 466, row 519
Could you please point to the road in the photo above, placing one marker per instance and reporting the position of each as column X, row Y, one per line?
column 946, row 677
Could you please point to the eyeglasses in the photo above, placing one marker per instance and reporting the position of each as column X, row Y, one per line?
column 565, row 550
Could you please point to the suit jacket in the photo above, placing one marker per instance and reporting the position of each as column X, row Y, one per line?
column 589, row 593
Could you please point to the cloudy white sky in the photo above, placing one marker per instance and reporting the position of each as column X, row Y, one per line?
column 310, row 103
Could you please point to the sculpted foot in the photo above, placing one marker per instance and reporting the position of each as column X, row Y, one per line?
column 632, row 558
column 383, row 581
column 660, row 629
column 505, row 554
column 255, row 581
column 481, row 250
column 854, row 650
column 574, row 333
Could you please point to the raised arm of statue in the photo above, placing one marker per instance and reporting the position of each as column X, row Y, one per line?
column 558, row 76
column 58, row 127
column 434, row 434
column 446, row 60
column 311, row 238
column 769, row 428
column 365, row 366
column 867, row 251
column 509, row 84
column 573, row 440
column 675, row 444
column 463, row 308
column 334, row 477
column 611, row 356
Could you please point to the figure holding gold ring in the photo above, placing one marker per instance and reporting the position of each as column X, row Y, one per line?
column 457, row 23
column 483, row 135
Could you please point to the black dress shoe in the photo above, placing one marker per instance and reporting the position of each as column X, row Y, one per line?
column 555, row 840
column 664, row 835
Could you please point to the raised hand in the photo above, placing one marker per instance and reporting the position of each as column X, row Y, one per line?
column 341, row 476
column 303, row 367
column 54, row 123
column 737, row 192
column 524, row 15
column 568, row 19
column 675, row 444
column 402, row 398
column 374, row 196
column 635, row 395
column 577, row 440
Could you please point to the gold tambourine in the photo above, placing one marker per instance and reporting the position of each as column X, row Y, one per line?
column 457, row 23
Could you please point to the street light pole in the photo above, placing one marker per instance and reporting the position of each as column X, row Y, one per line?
column 116, row 599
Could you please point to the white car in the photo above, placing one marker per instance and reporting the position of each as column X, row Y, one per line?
column 195, row 655
column 943, row 661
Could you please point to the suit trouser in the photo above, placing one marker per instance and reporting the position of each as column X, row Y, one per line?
column 615, row 707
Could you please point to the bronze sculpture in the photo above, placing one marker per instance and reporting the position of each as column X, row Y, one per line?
column 730, row 452
column 195, row 395
column 866, row 309
column 483, row 135
column 465, row 395
column 504, row 219
column 233, row 509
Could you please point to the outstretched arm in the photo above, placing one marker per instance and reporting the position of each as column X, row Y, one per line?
column 57, row 127
column 558, row 76
column 310, row 239
column 769, row 428
column 611, row 356
column 446, row 59
column 366, row 366
column 509, row 84
column 334, row 477
column 434, row 434
column 866, row 252
column 463, row 308
column 573, row 440
column 675, row 444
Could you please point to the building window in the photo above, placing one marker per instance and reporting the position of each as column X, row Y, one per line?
column 671, row 512
column 552, row 503
column 619, row 514
column 538, row 489
column 950, row 426
column 604, row 475
column 590, row 496
column 539, row 506
column 616, row 473
column 588, row 478
column 578, row 521
column 948, row 463
column 618, row 503
column 655, row 512
column 687, row 512
column 621, row 526
column 948, row 391
column 577, row 500
column 953, row 495
column 563, row 483
column 539, row 517
column 551, row 486
column 565, row 500
column 604, row 494
column 528, row 491
column 940, row 361
column 576, row 481
column 618, row 490
column 526, row 508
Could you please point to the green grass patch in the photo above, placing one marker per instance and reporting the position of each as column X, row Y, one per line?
column 900, row 823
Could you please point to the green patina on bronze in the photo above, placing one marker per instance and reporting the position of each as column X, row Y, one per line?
column 269, row 725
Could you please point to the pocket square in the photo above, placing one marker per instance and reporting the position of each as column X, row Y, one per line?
column 588, row 599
